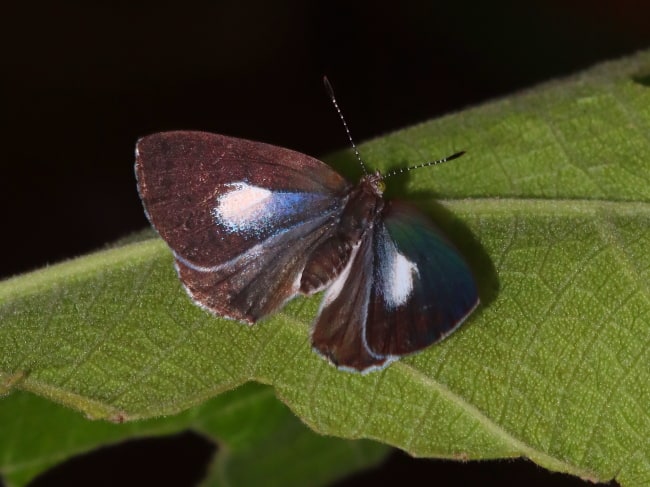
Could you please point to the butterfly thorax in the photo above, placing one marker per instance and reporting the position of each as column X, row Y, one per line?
column 363, row 206
column 374, row 183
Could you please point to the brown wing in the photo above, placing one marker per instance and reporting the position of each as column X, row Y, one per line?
column 240, row 216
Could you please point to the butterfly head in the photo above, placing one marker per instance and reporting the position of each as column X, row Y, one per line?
column 375, row 183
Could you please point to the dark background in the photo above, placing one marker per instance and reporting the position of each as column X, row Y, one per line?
column 81, row 82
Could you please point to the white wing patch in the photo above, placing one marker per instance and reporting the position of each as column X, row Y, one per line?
column 243, row 208
column 400, row 280
column 247, row 209
column 396, row 273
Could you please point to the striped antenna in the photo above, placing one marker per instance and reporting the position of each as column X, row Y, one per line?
column 330, row 92
column 424, row 164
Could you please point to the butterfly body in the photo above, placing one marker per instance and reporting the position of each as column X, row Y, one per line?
column 253, row 225
column 362, row 207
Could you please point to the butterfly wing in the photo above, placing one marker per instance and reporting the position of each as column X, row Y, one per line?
column 241, row 217
column 406, row 289
column 422, row 288
column 338, row 332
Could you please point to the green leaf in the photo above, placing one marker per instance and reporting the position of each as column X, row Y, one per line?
column 249, row 425
column 551, row 208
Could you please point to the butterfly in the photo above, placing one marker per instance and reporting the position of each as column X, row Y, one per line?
column 253, row 225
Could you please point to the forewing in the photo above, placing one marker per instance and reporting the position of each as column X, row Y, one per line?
column 236, row 213
column 183, row 176
column 422, row 289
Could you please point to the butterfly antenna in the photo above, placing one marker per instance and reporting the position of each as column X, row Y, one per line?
column 424, row 164
column 330, row 92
